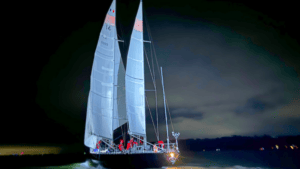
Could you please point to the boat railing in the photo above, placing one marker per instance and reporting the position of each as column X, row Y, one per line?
column 153, row 148
column 161, row 147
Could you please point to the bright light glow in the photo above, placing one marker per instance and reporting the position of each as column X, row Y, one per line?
column 292, row 147
column 277, row 147
column 172, row 154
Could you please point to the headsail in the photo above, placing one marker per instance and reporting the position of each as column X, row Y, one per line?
column 134, row 79
column 99, row 120
column 119, row 116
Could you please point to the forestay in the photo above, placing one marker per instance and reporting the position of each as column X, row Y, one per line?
column 134, row 80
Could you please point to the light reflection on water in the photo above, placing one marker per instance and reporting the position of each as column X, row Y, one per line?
column 218, row 160
column 93, row 164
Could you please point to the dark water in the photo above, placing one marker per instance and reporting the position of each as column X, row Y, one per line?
column 247, row 159
column 197, row 160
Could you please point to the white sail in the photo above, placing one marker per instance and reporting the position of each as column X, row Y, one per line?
column 134, row 79
column 99, row 120
column 119, row 115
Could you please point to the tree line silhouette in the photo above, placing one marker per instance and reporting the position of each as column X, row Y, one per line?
column 240, row 143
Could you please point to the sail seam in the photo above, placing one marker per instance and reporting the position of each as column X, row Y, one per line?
column 110, row 74
column 100, row 95
column 103, row 83
column 100, row 46
column 137, row 39
column 135, row 59
column 104, row 57
column 136, row 82
column 120, row 118
column 102, row 115
column 134, row 78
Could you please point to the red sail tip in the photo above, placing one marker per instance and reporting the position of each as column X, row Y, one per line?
column 110, row 20
column 138, row 25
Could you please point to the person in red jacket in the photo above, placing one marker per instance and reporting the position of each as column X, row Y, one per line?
column 128, row 146
column 141, row 142
column 131, row 141
column 98, row 144
column 161, row 144
column 121, row 147
column 134, row 143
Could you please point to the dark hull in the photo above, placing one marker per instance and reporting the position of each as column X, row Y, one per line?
column 150, row 160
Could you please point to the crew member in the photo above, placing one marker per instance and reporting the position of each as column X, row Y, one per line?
column 161, row 144
column 131, row 141
column 134, row 143
column 98, row 144
column 121, row 147
column 128, row 145
column 141, row 142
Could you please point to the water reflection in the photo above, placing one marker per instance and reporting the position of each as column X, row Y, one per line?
column 217, row 160
column 93, row 164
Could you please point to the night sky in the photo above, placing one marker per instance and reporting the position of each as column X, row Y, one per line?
column 229, row 68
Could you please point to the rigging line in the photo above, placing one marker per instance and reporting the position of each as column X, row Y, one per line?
column 118, row 23
column 153, row 84
column 169, row 115
column 122, row 33
column 118, row 137
column 150, row 37
column 148, row 30
column 123, row 135
column 151, row 118
column 149, row 68
column 151, row 53
column 152, row 42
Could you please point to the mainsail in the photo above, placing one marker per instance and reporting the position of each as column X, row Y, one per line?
column 134, row 79
column 102, row 105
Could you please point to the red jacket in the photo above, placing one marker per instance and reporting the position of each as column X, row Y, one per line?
column 98, row 144
column 131, row 142
column 135, row 143
column 128, row 146
column 161, row 143
column 121, row 147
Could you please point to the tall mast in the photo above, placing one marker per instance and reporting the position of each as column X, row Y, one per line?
column 145, row 138
column 162, row 81
column 114, row 55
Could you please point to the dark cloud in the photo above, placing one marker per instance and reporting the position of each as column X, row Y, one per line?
column 252, row 106
column 176, row 115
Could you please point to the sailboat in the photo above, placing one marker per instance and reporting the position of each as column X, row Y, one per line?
column 116, row 103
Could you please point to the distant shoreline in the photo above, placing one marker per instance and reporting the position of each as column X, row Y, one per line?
column 6, row 150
